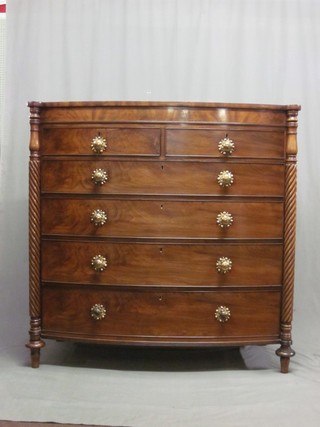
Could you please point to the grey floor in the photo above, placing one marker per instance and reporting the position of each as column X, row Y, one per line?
column 159, row 387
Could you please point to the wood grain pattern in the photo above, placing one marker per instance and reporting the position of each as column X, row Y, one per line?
column 166, row 219
column 117, row 112
column 120, row 141
column 248, row 143
column 160, row 314
column 162, row 264
column 167, row 178
column 161, row 239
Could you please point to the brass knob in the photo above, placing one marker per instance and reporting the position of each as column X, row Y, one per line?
column 99, row 176
column 98, row 144
column 225, row 179
column 99, row 263
column 224, row 264
column 98, row 312
column 98, row 217
column 226, row 146
column 224, row 219
column 222, row 314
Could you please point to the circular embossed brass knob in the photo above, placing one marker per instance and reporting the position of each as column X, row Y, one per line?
column 98, row 312
column 99, row 263
column 98, row 144
column 222, row 314
column 99, row 176
column 226, row 146
column 224, row 219
column 225, row 178
column 224, row 265
column 98, row 217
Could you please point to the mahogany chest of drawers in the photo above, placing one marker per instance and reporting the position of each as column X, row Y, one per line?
column 167, row 224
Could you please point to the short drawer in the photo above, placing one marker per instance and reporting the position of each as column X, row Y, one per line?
column 163, row 219
column 112, row 141
column 162, row 315
column 165, row 265
column 153, row 177
column 205, row 143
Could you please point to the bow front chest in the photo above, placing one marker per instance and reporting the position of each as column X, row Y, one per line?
column 167, row 224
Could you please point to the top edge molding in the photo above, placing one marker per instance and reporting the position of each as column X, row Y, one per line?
column 162, row 104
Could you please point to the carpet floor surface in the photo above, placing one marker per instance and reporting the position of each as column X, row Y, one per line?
column 28, row 424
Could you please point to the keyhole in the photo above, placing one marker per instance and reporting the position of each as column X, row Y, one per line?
column 161, row 251
column 161, row 206
column 162, row 167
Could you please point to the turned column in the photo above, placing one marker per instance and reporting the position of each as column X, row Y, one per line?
column 285, row 351
column 35, row 343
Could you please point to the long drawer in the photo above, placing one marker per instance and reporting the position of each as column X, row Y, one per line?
column 205, row 142
column 157, row 218
column 118, row 141
column 164, row 265
column 153, row 177
column 159, row 315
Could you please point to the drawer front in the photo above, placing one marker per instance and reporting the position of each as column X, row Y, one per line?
column 161, row 314
column 119, row 141
column 155, row 264
column 141, row 218
column 126, row 177
column 205, row 142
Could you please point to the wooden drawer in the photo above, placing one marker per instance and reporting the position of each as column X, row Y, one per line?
column 172, row 178
column 165, row 265
column 159, row 315
column 204, row 142
column 120, row 141
column 163, row 219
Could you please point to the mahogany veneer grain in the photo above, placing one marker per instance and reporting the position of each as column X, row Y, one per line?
column 161, row 242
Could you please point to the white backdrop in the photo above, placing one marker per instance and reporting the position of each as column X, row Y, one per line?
column 261, row 51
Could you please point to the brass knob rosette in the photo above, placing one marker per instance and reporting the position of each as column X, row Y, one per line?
column 226, row 146
column 98, row 312
column 222, row 314
column 225, row 179
column 99, row 176
column 99, row 263
column 224, row 265
column 224, row 219
column 98, row 144
column 98, row 217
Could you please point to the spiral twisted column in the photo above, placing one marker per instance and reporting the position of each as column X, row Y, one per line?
column 35, row 342
column 285, row 351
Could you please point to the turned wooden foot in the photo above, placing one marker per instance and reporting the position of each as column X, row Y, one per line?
column 285, row 352
column 35, row 344
column 35, row 347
